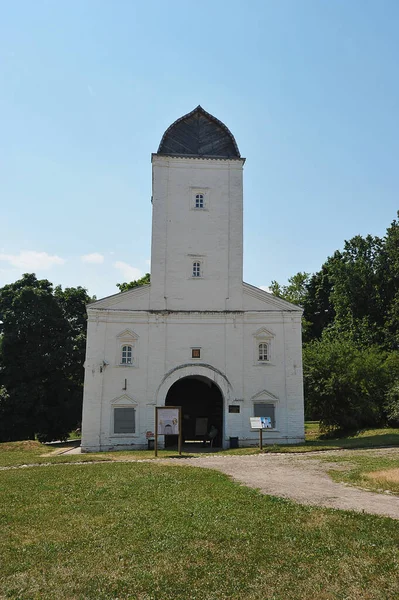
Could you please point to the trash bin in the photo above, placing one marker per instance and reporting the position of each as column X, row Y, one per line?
column 150, row 444
column 234, row 442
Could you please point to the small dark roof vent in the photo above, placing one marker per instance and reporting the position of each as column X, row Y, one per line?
column 199, row 134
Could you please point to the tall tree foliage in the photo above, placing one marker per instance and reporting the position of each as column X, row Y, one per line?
column 41, row 359
column 350, row 323
column 356, row 295
column 124, row 287
column 390, row 268
column 319, row 312
column 345, row 385
column 295, row 291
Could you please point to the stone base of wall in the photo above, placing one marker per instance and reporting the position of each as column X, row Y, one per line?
column 242, row 443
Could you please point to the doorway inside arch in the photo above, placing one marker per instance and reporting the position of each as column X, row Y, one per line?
column 201, row 404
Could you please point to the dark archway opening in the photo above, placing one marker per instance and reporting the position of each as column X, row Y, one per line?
column 201, row 404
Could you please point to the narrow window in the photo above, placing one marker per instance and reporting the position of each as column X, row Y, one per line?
column 263, row 352
column 196, row 269
column 195, row 352
column 199, row 201
column 124, row 420
column 266, row 410
column 126, row 355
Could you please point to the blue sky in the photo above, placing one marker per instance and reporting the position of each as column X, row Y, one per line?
column 309, row 89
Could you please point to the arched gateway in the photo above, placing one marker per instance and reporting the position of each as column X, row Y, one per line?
column 203, row 393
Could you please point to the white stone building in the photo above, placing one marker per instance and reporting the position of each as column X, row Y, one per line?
column 198, row 336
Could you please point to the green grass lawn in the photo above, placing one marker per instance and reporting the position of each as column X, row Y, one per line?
column 373, row 472
column 19, row 453
column 147, row 531
column 32, row 452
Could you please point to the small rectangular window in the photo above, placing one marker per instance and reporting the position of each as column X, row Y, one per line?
column 199, row 201
column 234, row 408
column 265, row 410
column 263, row 352
column 124, row 420
column 196, row 353
column 196, row 269
column 126, row 355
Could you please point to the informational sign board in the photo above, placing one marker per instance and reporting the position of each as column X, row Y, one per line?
column 168, row 422
column 261, row 423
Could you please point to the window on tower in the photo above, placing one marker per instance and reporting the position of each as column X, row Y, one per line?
column 126, row 358
column 263, row 352
column 199, row 200
column 196, row 269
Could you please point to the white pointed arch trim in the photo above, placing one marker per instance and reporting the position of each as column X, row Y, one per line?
column 264, row 395
column 127, row 334
column 264, row 333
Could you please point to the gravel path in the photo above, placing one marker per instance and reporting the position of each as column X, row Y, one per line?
column 300, row 478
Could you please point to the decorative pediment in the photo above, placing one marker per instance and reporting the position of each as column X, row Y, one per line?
column 123, row 401
column 127, row 335
column 265, row 396
column 263, row 334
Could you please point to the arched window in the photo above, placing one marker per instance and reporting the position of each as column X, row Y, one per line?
column 196, row 269
column 199, row 200
column 263, row 351
column 127, row 358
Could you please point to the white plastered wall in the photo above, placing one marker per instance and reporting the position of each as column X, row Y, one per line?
column 182, row 234
column 163, row 353
column 217, row 313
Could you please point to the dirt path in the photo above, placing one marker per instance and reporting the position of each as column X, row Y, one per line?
column 299, row 478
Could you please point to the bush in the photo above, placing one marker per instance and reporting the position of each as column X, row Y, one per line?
column 345, row 386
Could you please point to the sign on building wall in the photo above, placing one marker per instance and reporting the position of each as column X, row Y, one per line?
column 261, row 423
column 167, row 422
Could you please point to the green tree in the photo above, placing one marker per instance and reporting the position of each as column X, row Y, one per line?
column 389, row 265
column 73, row 302
column 38, row 361
column 357, row 288
column 296, row 290
column 348, row 293
column 345, row 385
column 124, row 287
column 350, row 322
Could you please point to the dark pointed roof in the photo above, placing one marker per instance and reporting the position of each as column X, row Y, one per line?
column 199, row 134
